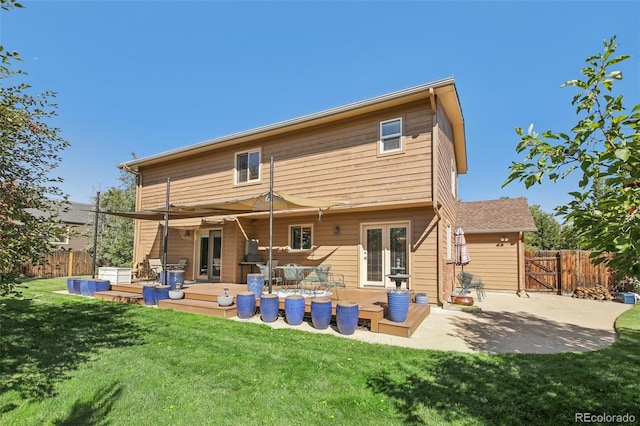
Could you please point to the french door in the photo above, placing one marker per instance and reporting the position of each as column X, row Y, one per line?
column 383, row 247
column 210, row 255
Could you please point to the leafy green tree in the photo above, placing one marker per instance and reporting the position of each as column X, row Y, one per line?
column 549, row 230
column 115, row 234
column 29, row 151
column 603, row 146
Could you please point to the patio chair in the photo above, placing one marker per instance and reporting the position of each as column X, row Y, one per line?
column 333, row 282
column 292, row 273
column 264, row 270
column 316, row 279
column 155, row 268
column 470, row 281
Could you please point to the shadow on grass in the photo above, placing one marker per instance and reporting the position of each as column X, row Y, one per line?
column 513, row 389
column 523, row 332
column 95, row 411
column 41, row 343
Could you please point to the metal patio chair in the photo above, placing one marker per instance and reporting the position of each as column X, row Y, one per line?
column 470, row 281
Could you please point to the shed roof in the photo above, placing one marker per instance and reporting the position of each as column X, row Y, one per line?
column 503, row 215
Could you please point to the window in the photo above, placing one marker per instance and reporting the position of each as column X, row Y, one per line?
column 391, row 135
column 300, row 237
column 63, row 237
column 248, row 166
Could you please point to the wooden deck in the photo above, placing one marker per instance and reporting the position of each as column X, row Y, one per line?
column 202, row 299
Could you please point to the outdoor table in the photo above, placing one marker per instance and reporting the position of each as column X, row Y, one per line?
column 301, row 272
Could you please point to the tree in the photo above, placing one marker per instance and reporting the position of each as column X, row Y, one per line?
column 603, row 146
column 29, row 151
column 115, row 234
column 549, row 230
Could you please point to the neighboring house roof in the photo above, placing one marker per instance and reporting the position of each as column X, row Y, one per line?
column 504, row 215
column 444, row 89
column 77, row 213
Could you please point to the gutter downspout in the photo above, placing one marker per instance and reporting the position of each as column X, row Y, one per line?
column 434, row 192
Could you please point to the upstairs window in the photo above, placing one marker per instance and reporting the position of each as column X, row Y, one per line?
column 248, row 166
column 391, row 135
column 300, row 237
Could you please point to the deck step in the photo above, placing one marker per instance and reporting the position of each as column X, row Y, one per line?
column 417, row 314
column 120, row 296
column 203, row 307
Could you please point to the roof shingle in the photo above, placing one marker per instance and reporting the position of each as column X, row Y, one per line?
column 503, row 215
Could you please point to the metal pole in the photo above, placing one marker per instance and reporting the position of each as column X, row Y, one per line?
column 270, row 268
column 165, row 237
column 95, row 237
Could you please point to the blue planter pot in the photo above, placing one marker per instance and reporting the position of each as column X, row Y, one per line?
column 149, row 294
column 347, row 314
column 102, row 285
column 398, row 303
column 76, row 286
column 162, row 292
column 87, row 287
column 321, row 312
column 70, row 282
column 294, row 309
column 175, row 279
column 269, row 306
column 246, row 304
column 422, row 299
column 255, row 283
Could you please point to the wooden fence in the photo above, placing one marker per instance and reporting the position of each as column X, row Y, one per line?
column 569, row 270
column 60, row 263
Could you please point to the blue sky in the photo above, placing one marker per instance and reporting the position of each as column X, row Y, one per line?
column 152, row 76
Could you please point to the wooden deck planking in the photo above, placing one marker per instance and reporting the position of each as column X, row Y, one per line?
column 202, row 299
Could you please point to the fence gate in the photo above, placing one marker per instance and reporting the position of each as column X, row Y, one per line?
column 542, row 274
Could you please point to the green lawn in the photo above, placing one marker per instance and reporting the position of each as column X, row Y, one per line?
column 78, row 361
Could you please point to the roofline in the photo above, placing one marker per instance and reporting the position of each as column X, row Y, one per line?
column 444, row 89
column 495, row 231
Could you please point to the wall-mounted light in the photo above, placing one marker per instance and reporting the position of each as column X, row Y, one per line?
column 504, row 239
column 336, row 230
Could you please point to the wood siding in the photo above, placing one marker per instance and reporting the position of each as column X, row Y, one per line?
column 496, row 262
column 339, row 162
column 445, row 198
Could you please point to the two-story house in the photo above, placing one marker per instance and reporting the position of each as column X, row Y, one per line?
column 390, row 162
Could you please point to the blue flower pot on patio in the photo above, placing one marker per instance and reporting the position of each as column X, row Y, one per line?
column 85, row 287
column 70, row 282
column 255, row 283
column 347, row 314
column 102, row 285
column 149, row 294
column 269, row 306
column 321, row 312
column 398, row 304
column 162, row 292
column 76, row 286
column 246, row 304
column 294, row 309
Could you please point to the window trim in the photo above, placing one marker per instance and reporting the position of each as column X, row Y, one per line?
column 236, row 171
column 302, row 227
column 383, row 138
